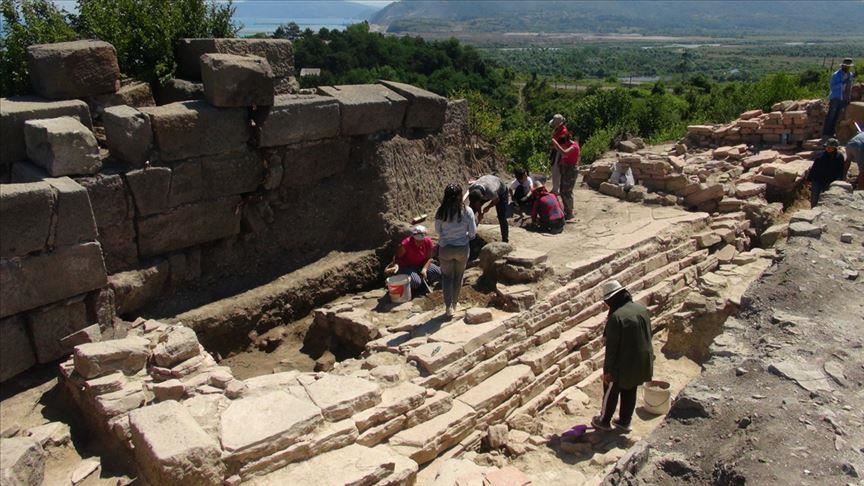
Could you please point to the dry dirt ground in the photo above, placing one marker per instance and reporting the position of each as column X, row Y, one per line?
column 782, row 399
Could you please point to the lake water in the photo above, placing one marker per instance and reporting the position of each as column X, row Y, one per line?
column 252, row 25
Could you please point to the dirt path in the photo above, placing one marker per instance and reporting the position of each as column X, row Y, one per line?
column 781, row 400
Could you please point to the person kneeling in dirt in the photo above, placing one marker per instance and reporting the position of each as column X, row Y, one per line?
column 827, row 168
column 546, row 215
column 629, row 360
column 520, row 191
column 492, row 190
column 414, row 258
column 855, row 153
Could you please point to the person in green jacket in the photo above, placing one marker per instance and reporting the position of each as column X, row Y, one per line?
column 629, row 360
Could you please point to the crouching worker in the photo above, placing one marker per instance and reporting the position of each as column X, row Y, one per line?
column 414, row 258
column 629, row 360
column 488, row 192
column 546, row 215
column 520, row 191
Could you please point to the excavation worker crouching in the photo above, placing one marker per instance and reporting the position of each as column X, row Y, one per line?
column 414, row 258
column 629, row 360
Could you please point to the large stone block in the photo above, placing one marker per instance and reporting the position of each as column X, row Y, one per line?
column 232, row 173
column 278, row 52
column 352, row 465
column 176, row 345
column 150, row 188
column 17, row 110
column 25, row 218
column 30, row 282
column 22, row 461
column 16, row 352
column 172, row 448
column 174, row 90
column 109, row 198
column 189, row 225
column 73, row 69
column 425, row 108
column 298, row 118
column 232, row 81
column 128, row 355
column 134, row 289
column 128, row 134
column 49, row 325
column 62, row 146
column 367, row 108
column 187, row 183
column 74, row 214
column 315, row 161
column 342, row 396
column 136, row 94
column 194, row 128
column 119, row 246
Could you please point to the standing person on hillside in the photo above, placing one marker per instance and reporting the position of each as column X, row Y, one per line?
column 827, row 168
column 841, row 94
column 455, row 226
column 569, row 168
column 855, row 153
column 558, row 130
column 490, row 191
column 629, row 360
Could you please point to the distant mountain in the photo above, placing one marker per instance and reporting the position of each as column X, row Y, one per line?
column 305, row 9
column 707, row 18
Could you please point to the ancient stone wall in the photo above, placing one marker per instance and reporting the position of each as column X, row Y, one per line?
column 139, row 203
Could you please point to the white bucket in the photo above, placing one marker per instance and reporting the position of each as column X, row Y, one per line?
column 656, row 397
column 399, row 288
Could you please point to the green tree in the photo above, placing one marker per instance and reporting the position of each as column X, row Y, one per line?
column 27, row 22
column 290, row 31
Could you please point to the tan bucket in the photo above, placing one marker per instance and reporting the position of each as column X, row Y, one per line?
column 656, row 397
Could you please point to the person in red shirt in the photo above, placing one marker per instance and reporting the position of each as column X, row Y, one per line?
column 546, row 216
column 559, row 129
column 568, row 147
column 414, row 258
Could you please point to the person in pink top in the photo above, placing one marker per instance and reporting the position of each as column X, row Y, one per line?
column 414, row 258
column 559, row 129
column 568, row 147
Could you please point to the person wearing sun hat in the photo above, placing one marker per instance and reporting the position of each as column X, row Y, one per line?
column 414, row 258
column 629, row 360
column 841, row 94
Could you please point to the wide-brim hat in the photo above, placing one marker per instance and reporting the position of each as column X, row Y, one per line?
column 831, row 142
column 611, row 288
column 419, row 231
column 847, row 62
column 556, row 120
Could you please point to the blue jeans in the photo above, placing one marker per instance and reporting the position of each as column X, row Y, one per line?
column 835, row 109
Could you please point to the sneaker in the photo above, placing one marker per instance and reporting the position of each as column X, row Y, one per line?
column 596, row 422
column 449, row 312
column 621, row 425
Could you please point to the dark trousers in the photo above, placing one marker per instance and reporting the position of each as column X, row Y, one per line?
column 835, row 109
column 501, row 210
column 610, row 401
column 433, row 274
column 816, row 190
column 553, row 227
column 568, row 182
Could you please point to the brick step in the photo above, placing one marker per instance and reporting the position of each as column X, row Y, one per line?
column 425, row 441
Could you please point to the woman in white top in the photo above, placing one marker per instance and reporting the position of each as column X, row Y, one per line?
column 455, row 226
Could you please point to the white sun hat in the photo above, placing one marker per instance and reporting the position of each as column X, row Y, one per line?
column 611, row 288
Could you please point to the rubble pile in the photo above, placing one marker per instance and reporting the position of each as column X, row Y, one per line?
column 788, row 123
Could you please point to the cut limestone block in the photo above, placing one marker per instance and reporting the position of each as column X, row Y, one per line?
column 232, row 81
column 150, row 187
column 405, row 470
column 497, row 388
column 16, row 110
column 22, row 461
column 75, row 222
column 278, row 52
column 16, row 352
column 316, row 160
column 26, row 218
column 90, row 334
column 354, row 465
column 49, row 325
column 478, row 315
column 194, row 128
column 279, row 420
column 395, row 401
column 423, row 442
column 135, row 94
column 171, row 448
column 298, row 118
column 74, row 69
column 773, row 233
column 342, row 396
column 62, row 146
column 231, row 173
column 129, row 135
column 27, row 283
column 804, row 229
column 525, row 257
column 128, row 355
column 134, row 289
column 189, row 225
column 176, row 344
column 425, row 108
column 367, row 108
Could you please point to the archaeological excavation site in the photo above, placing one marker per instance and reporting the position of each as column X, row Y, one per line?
column 192, row 291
